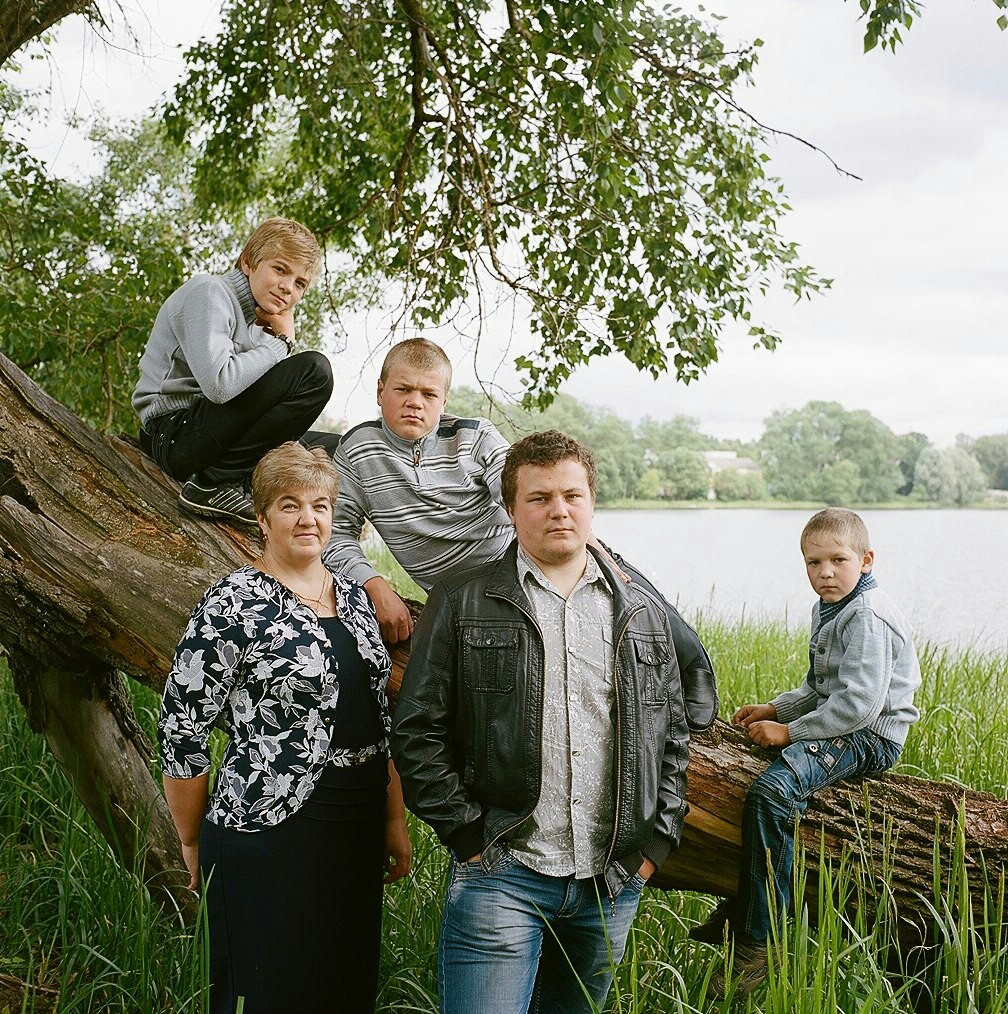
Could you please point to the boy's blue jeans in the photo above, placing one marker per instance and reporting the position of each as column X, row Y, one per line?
column 780, row 796
column 498, row 951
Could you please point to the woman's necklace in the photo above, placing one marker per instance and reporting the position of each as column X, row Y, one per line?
column 315, row 604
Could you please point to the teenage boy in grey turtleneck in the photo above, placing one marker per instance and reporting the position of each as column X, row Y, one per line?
column 849, row 718
column 219, row 385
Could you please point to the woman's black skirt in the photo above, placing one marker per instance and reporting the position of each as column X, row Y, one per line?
column 294, row 911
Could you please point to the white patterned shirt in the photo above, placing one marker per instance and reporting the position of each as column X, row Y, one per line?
column 570, row 829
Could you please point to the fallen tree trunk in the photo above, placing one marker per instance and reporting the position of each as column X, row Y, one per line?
column 99, row 572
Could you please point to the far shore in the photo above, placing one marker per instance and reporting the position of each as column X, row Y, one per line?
column 991, row 503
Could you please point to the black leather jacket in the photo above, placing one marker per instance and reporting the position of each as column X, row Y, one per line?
column 468, row 724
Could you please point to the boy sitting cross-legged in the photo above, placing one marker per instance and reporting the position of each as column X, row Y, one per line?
column 219, row 383
column 430, row 484
column 849, row 718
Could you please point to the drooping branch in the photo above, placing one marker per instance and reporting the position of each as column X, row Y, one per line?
column 24, row 20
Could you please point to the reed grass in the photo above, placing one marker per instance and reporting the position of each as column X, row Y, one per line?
column 81, row 934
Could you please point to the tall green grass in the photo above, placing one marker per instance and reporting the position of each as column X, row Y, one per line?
column 73, row 922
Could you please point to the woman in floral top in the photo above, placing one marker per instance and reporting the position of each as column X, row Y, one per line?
column 306, row 818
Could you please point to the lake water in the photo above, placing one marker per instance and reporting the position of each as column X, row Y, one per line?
column 942, row 567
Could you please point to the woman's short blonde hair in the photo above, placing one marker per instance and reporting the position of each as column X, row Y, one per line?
column 291, row 468
column 282, row 237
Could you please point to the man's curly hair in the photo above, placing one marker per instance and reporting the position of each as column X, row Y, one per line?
column 545, row 449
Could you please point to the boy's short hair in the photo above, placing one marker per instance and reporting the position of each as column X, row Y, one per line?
column 282, row 237
column 291, row 468
column 841, row 523
column 418, row 354
column 544, row 449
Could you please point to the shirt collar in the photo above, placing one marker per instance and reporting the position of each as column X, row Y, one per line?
column 529, row 569
column 426, row 442
column 238, row 281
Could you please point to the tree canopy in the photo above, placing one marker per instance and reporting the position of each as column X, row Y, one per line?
column 591, row 158
column 950, row 476
column 824, row 452
column 992, row 454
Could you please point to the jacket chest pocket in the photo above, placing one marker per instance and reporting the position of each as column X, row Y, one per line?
column 654, row 663
column 490, row 659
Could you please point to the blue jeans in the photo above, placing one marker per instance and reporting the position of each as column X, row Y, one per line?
column 510, row 936
column 776, row 800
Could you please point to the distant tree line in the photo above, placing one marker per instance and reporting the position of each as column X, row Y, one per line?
column 821, row 453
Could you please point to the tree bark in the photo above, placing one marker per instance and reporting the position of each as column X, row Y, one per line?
column 88, row 722
column 24, row 20
column 99, row 572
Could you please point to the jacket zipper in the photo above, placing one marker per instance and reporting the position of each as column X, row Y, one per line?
column 507, row 830
column 619, row 755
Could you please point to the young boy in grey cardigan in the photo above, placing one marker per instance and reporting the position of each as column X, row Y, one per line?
column 849, row 718
column 219, row 385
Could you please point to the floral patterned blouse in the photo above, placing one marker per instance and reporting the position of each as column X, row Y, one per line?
column 256, row 657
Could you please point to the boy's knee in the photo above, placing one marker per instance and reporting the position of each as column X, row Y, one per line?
column 317, row 368
column 776, row 789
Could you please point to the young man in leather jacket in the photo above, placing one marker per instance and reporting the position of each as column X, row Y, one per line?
column 541, row 732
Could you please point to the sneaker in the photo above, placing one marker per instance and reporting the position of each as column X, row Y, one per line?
column 748, row 970
column 230, row 503
column 712, row 930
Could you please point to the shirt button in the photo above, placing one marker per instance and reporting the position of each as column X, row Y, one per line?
column 822, row 651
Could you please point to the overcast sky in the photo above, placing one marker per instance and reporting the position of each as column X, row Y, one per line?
column 914, row 329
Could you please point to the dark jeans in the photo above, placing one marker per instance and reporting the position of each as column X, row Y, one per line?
column 776, row 800
column 223, row 443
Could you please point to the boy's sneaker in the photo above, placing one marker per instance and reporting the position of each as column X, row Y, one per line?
column 749, row 969
column 223, row 503
column 712, row 929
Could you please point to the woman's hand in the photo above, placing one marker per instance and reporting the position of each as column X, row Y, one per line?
column 398, row 850
column 647, row 869
column 187, row 801
column 190, row 853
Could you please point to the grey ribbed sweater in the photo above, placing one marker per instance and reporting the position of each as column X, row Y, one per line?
column 864, row 674
column 436, row 502
column 204, row 342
